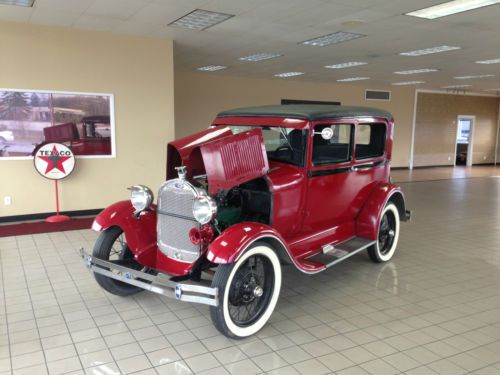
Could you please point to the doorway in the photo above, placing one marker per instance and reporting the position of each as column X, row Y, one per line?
column 464, row 140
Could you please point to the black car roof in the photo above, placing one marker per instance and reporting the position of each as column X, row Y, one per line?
column 310, row 112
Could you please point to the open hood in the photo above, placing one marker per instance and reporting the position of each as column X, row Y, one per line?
column 228, row 160
column 234, row 160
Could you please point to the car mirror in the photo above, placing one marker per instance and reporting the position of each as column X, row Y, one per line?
column 326, row 133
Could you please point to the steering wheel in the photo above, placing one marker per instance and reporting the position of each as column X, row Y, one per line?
column 284, row 147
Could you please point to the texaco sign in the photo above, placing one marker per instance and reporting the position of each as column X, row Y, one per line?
column 54, row 161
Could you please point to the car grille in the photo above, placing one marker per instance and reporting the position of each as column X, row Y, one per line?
column 175, row 220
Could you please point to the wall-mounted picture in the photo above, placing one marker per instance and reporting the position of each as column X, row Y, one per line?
column 82, row 121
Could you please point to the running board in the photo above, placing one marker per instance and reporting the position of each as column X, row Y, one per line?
column 332, row 255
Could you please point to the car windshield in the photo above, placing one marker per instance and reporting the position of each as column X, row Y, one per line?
column 282, row 144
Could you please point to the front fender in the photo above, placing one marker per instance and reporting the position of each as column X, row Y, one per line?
column 228, row 246
column 139, row 233
column 367, row 221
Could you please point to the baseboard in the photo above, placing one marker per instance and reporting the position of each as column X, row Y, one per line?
column 41, row 216
column 399, row 168
column 433, row 166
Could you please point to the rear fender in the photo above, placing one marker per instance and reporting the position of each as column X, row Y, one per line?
column 228, row 247
column 368, row 219
column 140, row 233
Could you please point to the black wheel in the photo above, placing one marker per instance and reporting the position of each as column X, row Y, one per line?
column 388, row 235
column 111, row 246
column 248, row 292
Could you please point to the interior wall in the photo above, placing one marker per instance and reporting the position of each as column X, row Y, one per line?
column 200, row 96
column 436, row 127
column 138, row 71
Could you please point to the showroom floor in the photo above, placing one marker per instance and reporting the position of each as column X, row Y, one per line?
column 434, row 309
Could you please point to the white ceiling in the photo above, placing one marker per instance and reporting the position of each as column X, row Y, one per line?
column 279, row 25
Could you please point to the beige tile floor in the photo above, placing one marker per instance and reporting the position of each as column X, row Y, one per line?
column 434, row 309
column 444, row 173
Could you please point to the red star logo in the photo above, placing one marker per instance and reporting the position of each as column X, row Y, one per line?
column 55, row 161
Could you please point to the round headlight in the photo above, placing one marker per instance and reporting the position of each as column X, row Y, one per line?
column 141, row 197
column 204, row 209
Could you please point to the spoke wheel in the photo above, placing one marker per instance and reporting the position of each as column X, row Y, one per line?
column 112, row 246
column 388, row 235
column 248, row 291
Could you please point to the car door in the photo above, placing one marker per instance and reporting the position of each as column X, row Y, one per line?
column 330, row 180
column 370, row 165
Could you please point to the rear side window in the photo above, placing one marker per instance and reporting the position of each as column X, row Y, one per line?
column 335, row 150
column 370, row 141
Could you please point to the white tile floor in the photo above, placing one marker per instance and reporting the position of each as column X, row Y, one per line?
column 435, row 309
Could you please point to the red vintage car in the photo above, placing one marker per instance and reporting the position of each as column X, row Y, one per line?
column 306, row 185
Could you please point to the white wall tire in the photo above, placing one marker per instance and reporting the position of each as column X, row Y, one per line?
column 387, row 237
column 230, row 279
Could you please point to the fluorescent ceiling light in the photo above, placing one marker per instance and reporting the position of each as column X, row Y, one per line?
column 346, row 65
column 259, row 56
column 351, row 79
column 338, row 37
column 21, row 3
column 451, row 7
column 492, row 61
column 288, row 74
column 473, row 77
column 408, row 83
column 211, row 68
column 416, row 71
column 200, row 19
column 428, row 51
column 456, row 86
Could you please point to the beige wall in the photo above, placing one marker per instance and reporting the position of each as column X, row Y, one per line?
column 436, row 127
column 138, row 71
column 200, row 96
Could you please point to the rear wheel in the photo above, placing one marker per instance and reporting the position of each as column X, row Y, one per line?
column 111, row 246
column 388, row 235
column 248, row 292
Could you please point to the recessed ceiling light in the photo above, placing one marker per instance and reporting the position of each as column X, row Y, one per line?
column 428, row 51
column 451, row 7
column 200, row 19
column 351, row 79
column 408, row 83
column 477, row 76
column 259, row 56
column 21, row 3
column 346, row 65
column 211, row 68
column 288, row 74
column 456, row 86
column 492, row 61
column 338, row 37
column 416, row 71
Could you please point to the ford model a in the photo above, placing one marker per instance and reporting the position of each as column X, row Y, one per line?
column 264, row 186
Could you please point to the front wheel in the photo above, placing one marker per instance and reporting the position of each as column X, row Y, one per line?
column 388, row 235
column 111, row 246
column 248, row 292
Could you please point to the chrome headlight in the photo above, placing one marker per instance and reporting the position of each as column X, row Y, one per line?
column 204, row 209
column 141, row 197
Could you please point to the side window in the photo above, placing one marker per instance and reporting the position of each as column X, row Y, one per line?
column 370, row 141
column 336, row 149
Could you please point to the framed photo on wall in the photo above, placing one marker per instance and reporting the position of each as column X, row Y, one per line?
column 31, row 118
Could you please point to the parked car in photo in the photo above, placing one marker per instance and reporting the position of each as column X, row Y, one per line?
column 90, row 137
column 304, row 185
column 6, row 136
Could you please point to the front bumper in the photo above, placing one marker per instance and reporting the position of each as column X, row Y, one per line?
column 159, row 283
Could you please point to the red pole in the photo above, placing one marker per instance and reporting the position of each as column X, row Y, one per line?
column 57, row 199
column 57, row 218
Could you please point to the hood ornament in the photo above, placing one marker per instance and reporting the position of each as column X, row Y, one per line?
column 181, row 172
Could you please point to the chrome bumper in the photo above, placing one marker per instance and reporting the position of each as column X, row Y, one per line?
column 159, row 284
